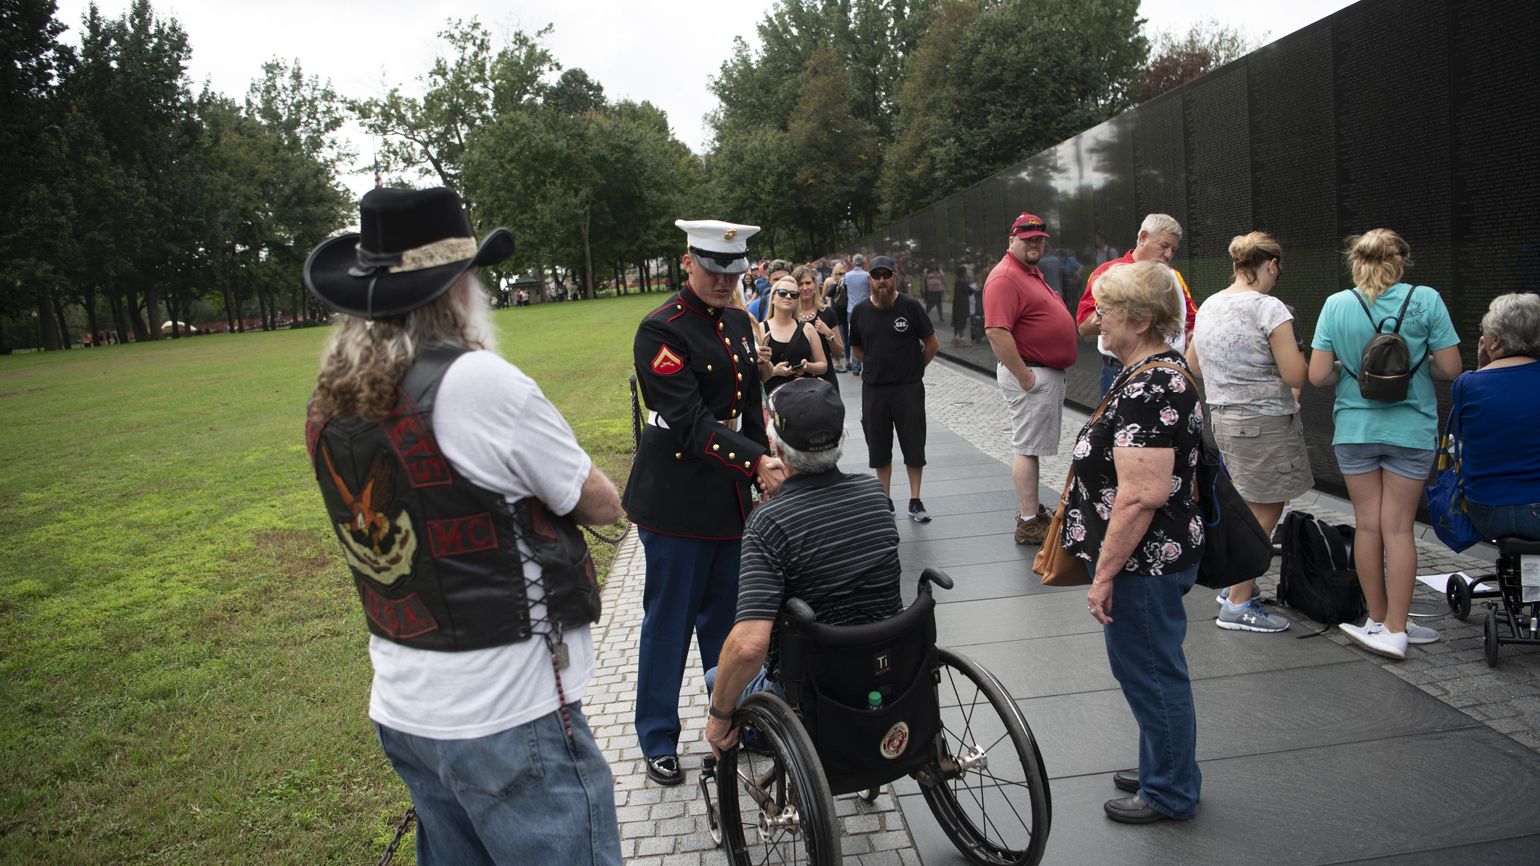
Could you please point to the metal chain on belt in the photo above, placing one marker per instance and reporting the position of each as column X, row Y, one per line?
column 636, row 416
column 401, row 830
column 605, row 538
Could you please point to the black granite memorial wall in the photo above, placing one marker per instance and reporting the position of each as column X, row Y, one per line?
column 1418, row 115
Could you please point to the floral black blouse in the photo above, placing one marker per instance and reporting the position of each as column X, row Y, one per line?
column 1152, row 409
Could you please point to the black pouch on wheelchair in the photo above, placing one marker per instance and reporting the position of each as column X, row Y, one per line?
column 566, row 568
column 830, row 672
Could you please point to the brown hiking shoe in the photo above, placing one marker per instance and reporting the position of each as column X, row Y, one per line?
column 1035, row 530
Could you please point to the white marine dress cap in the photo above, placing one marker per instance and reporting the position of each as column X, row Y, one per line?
column 719, row 247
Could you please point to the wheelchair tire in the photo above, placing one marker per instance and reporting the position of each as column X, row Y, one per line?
column 998, row 813
column 1457, row 593
column 773, row 800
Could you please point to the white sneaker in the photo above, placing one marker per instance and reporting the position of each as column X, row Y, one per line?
column 1373, row 637
column 1419, row 633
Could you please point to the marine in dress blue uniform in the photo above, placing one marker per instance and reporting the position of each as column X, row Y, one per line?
column 702, row 448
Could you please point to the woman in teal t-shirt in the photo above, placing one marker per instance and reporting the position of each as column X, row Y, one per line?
column 1385, row 450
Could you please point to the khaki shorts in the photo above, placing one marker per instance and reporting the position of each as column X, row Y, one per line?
column 1265, row 453
column 1036, row 415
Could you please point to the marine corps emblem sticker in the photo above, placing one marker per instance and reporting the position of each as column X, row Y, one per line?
column 896, row 741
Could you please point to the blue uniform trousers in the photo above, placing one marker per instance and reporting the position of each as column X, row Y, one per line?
column 692, row 584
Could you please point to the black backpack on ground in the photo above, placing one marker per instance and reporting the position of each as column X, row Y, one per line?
column 1317, row 577
column 1385, row 368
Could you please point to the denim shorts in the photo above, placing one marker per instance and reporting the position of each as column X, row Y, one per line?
column 1365, row 457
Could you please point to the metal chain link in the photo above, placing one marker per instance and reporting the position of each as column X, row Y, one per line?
column 636, row 416
column 401, row 830
column 605, row 538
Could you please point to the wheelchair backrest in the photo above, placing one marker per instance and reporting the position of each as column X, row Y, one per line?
column 828, row 673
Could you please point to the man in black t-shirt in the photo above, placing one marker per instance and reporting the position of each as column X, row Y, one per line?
column 893, row 340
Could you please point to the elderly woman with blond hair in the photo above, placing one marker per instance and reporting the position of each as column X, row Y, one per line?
column 1132, row 514
column 1384, row 449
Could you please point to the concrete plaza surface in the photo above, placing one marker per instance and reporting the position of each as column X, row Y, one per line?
column 1312, row 750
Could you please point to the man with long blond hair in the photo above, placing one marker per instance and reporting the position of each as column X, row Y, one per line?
column 453, row 486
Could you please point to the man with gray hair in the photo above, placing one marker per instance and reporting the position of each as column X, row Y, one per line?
column 828, row 538
column 1159, row 237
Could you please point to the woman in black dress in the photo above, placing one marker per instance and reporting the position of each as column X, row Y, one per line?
column 795, row 347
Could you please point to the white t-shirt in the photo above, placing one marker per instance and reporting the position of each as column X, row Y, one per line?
column 1232, row 331
column 501, row 433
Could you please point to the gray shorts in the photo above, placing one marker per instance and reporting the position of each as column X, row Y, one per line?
column 1036, row 415
column 1265, row 454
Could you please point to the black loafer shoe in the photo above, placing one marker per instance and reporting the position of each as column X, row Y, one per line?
column 664, row 770
column 1126, row 780
column 1133, row 810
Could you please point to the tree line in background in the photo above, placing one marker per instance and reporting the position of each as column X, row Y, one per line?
column 131, row 197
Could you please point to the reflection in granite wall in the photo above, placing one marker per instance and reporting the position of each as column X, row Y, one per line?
column 1419, row 115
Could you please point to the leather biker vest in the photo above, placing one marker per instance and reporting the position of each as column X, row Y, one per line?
column 434, row 557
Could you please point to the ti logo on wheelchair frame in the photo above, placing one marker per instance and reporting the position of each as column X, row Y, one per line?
column 896, row 741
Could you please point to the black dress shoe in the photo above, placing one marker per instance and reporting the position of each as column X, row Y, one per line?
column 1126, row 780
column 664, row 770
column 1133, row 810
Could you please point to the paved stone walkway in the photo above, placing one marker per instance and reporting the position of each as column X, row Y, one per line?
column 665, row 826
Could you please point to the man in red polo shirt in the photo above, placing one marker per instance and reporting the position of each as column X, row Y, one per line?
column 1033, row 337
column 1159, row 237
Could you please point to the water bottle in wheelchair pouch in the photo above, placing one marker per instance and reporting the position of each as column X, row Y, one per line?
column 566, row 568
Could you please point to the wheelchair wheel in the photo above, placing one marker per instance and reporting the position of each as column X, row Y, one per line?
column 986, row 785
column 1457, row 592
column 772, row 798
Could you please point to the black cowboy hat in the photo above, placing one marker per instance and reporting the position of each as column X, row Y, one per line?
column 413, row 245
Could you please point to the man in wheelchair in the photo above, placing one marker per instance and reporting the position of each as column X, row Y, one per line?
column 853, row 692
column 828, row 539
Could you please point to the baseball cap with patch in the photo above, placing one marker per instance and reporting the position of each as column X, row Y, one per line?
column 1029, row 226
column 719, row 247
column 808, row 414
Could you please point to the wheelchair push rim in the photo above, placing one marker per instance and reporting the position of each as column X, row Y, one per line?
column 773, row 801
column 986, row 785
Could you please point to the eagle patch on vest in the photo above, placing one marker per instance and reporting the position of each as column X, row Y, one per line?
column 667, row 362
column 378, row 545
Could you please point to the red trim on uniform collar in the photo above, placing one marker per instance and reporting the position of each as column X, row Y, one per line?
column 693, row 302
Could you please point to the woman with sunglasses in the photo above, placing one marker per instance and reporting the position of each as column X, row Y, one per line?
column 795, row 347
column 814, row 310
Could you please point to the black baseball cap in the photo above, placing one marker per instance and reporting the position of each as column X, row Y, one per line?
column 882, row 262
column 808, row 414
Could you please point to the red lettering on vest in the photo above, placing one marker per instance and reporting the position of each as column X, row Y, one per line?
column 458, row 536
column 414, row 447
column 398, row 617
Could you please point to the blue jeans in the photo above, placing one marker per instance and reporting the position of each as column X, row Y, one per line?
column 692, row 585
column 525, row 795
column 1109, row 374
column 1144, row 648
column 760, row 683
column 1498, row 521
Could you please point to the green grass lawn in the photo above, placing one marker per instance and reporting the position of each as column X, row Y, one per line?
column 184, row 671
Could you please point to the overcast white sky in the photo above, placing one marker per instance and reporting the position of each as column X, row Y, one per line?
column 663, row 52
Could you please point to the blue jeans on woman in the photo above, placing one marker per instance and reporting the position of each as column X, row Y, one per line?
column 1498, row 521
column 524, row 795
column 1144, row 648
